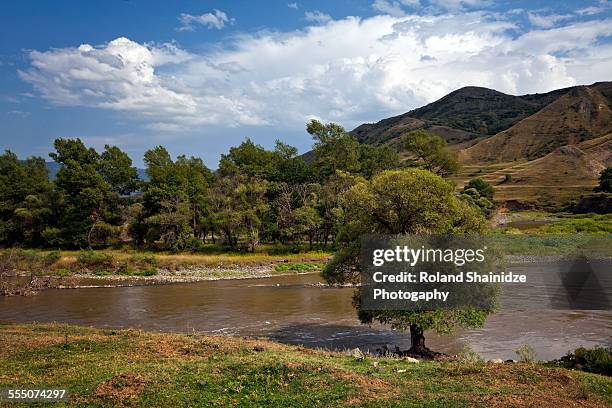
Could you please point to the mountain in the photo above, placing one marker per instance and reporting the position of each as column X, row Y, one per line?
column 581, row 114
column 537, row 150
column 463, row 115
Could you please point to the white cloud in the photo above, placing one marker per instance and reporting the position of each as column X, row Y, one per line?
column 293, row 6
column 546, row 21
column 217, row 19
column 394, row 7
column 350, row 70
column 317, row 17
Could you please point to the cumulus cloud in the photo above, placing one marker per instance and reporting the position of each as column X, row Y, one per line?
column 317, row 17
column 217, row 19
column 349, row 70
column 293, row 6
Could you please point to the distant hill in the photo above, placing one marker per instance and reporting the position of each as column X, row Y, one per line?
column 538, row 150
column 54, row 167
column 462, row 115
column 581, row 114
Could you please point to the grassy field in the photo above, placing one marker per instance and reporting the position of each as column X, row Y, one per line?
column 132, row 262
column 136, row 368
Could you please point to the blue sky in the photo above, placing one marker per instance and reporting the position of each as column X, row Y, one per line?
column 199, row 76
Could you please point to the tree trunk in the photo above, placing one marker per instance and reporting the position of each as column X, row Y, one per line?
column 417, row 340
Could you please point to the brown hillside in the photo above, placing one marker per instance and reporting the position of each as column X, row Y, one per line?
column 583, row 113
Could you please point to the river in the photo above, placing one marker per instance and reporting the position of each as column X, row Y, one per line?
column 293, row 309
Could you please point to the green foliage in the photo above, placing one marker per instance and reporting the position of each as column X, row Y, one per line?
column 526, row 353
column 431, row 152
column 298, row 267
column 596, row 225
column 146, row 272
column 605, row 181
column 483, row 188
column 94, row 259
column 116, row 168
column 25, row 200
column 336, row 150
column 596, row 360
column 411, row 201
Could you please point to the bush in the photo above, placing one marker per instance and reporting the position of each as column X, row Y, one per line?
column 146, row 272
column 298, row 267
column 53, row 256
column 526, row 353
column 93, row 259
column 53, row 236
column 142, row 261
column 124, row 269
column 596, row 360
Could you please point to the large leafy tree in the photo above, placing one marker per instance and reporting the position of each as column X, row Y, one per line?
column 337, row 150
column 175, row 201
column 25, row 199
column 87, row 202
column 409, row 201
column 116, row 168
column 431, row 153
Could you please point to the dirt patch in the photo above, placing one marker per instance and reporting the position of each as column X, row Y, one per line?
column 120, row 388
column 369, row 388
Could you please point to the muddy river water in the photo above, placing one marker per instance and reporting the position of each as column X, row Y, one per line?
column 294, row 309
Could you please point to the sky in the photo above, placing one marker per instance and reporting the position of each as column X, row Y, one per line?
column 200, row 76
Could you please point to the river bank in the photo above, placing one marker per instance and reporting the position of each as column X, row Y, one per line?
column 121, row 367
column 25, row 272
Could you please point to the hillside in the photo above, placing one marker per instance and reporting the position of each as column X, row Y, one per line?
column 462, row 115
column 581, row 114
column 551, row 146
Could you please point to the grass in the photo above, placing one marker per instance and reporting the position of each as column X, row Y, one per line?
column 136, row 368
column 144, row 263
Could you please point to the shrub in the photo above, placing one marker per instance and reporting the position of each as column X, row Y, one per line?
column 298, row 267
column 124, row 269
column 53, row 236
column 62, row 272
column 53, row 256
column 93, row 259
column 526, row 353
column 143, row 260
column 146, row 272
column 596, row 360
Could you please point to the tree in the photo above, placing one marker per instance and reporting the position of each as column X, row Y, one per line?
column 25, row 199
column 336, row 150
column 308, row 221
column 238, row 207
column 431, row 152
column 86, row 195
column 605, row 181
column 116, row 168
column 409, row 201
column 484, row 189
column 176, row 198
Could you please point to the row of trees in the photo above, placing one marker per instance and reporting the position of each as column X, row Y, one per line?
column 256, row 195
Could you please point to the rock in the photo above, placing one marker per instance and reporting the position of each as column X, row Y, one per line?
column 258, row 349
column 510, row 361
column 411, row 359
column 356, row 353
column 395, row 370
column 496, row 361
